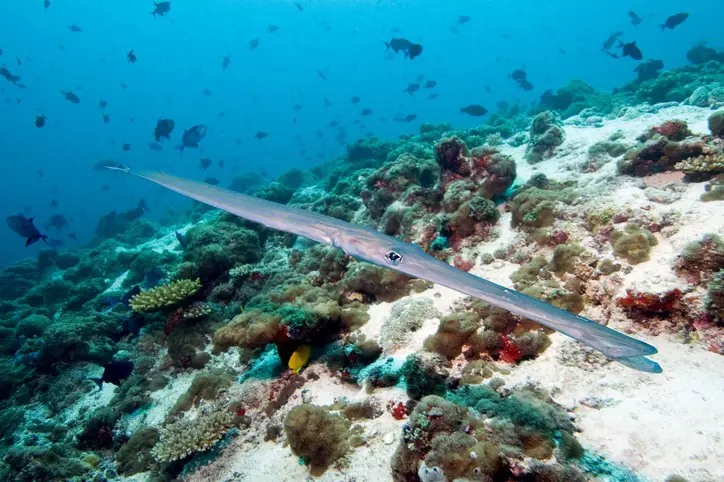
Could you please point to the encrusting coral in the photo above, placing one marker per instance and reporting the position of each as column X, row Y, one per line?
column 165, row 295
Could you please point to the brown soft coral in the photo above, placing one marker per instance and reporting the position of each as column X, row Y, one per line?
column 251, row 329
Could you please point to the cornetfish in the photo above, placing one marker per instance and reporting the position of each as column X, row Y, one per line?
column 374, row 247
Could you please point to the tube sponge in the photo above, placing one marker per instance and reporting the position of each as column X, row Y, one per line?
column 165, row 295
column 317, row 435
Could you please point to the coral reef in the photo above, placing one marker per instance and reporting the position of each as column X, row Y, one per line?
column 166, row 295
column 317, row 435
column 546, row 134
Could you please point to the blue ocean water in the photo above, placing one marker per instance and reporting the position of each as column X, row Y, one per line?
column 180, row 55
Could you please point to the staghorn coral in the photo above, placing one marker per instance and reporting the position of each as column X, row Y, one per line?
column 187, row 436
column 165, row 295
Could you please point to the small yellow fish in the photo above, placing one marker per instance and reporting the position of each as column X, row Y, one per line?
column 299, row 358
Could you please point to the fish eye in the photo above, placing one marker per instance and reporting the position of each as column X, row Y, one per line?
column 393, row 257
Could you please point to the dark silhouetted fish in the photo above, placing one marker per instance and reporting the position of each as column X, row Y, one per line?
column 225, row 63
column 365, row 112
column 272, row 28
column 75, row 28
column 54, row 203
column 635, row 19
column 57, row 221
column 212, row 180
column 407, row 118
column 631, row 50
column 164, row 127
column 46, row 4
column 355, row 99
column 155, row 146
column 181, row 240
column 103, row 165
column 297, row 107
column 412, row 88
column 205, row 162
column 221, row 163
column 71, row 97
column 299, row 6
column 102, row 104
column 9, row 76
column 674, row 20
column 321, row 75
column 192, row 137
column 131, row 57
column 161, row 8
column 25, row 228
column 432, row 96
column 253, row 43
column 475, row 110
column 463, row 19
column 261, row 135
column 410, row 49
column 126, row 147
column 430, row 84
column 106, row 118
column 73, row 236
column 40, row 121
column 114, row 372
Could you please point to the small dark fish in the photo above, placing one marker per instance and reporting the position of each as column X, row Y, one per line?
column 488, row 90
column 463, row 19
column 430, row 84
column 321, row 75
column 407, row 118
column 611, row 54
column 123, row 85
column 106, row 118
column 410, row 49
column 114, row 372
column 253, row 43
column 161, row 8
column 299, row 6
column 212, row 180
column 205, row 162
column 54, row 203
column 475, row 110
column 206, row 92
column 261, row 135
column 631, row 50
column 155, row 146
column 327, row 103
column 181, row 240
column 9, row 76
column 525, row 85
column 432, row 96
column 131, row 57
column 355, row 99
column 297, row 107
column 518, row 74
column 75, row 28
column 412, row 88
column 105, row 188
column 102, row 104
column 126, row 147
column 192, row 137
column 164, row 127
column 46, row 4
column 57, row 221
column 635, row 19
column 71, row 97
column 40, row 121
column 674, row 20
column 272, row 28
column 73, row 236
column 25, row 228
column 221, row 163
column 225, row 63
column 365, row 112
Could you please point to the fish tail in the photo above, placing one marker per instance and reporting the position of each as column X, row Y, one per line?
column 663, row 27
column 98, row 381
column 387, row 46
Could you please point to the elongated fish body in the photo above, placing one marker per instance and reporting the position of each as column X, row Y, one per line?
column 382, row 250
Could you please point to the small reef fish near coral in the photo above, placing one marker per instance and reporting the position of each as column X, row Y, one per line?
column 362, row 241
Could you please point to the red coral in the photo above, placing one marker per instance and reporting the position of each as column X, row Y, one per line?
column 463, row 264
column 398, row 411
column 674, row 130
column 510, row 353
column 651, row 303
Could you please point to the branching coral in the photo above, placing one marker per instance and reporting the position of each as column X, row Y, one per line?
column 702, row 167
column 187, row 436
column 165, row 295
